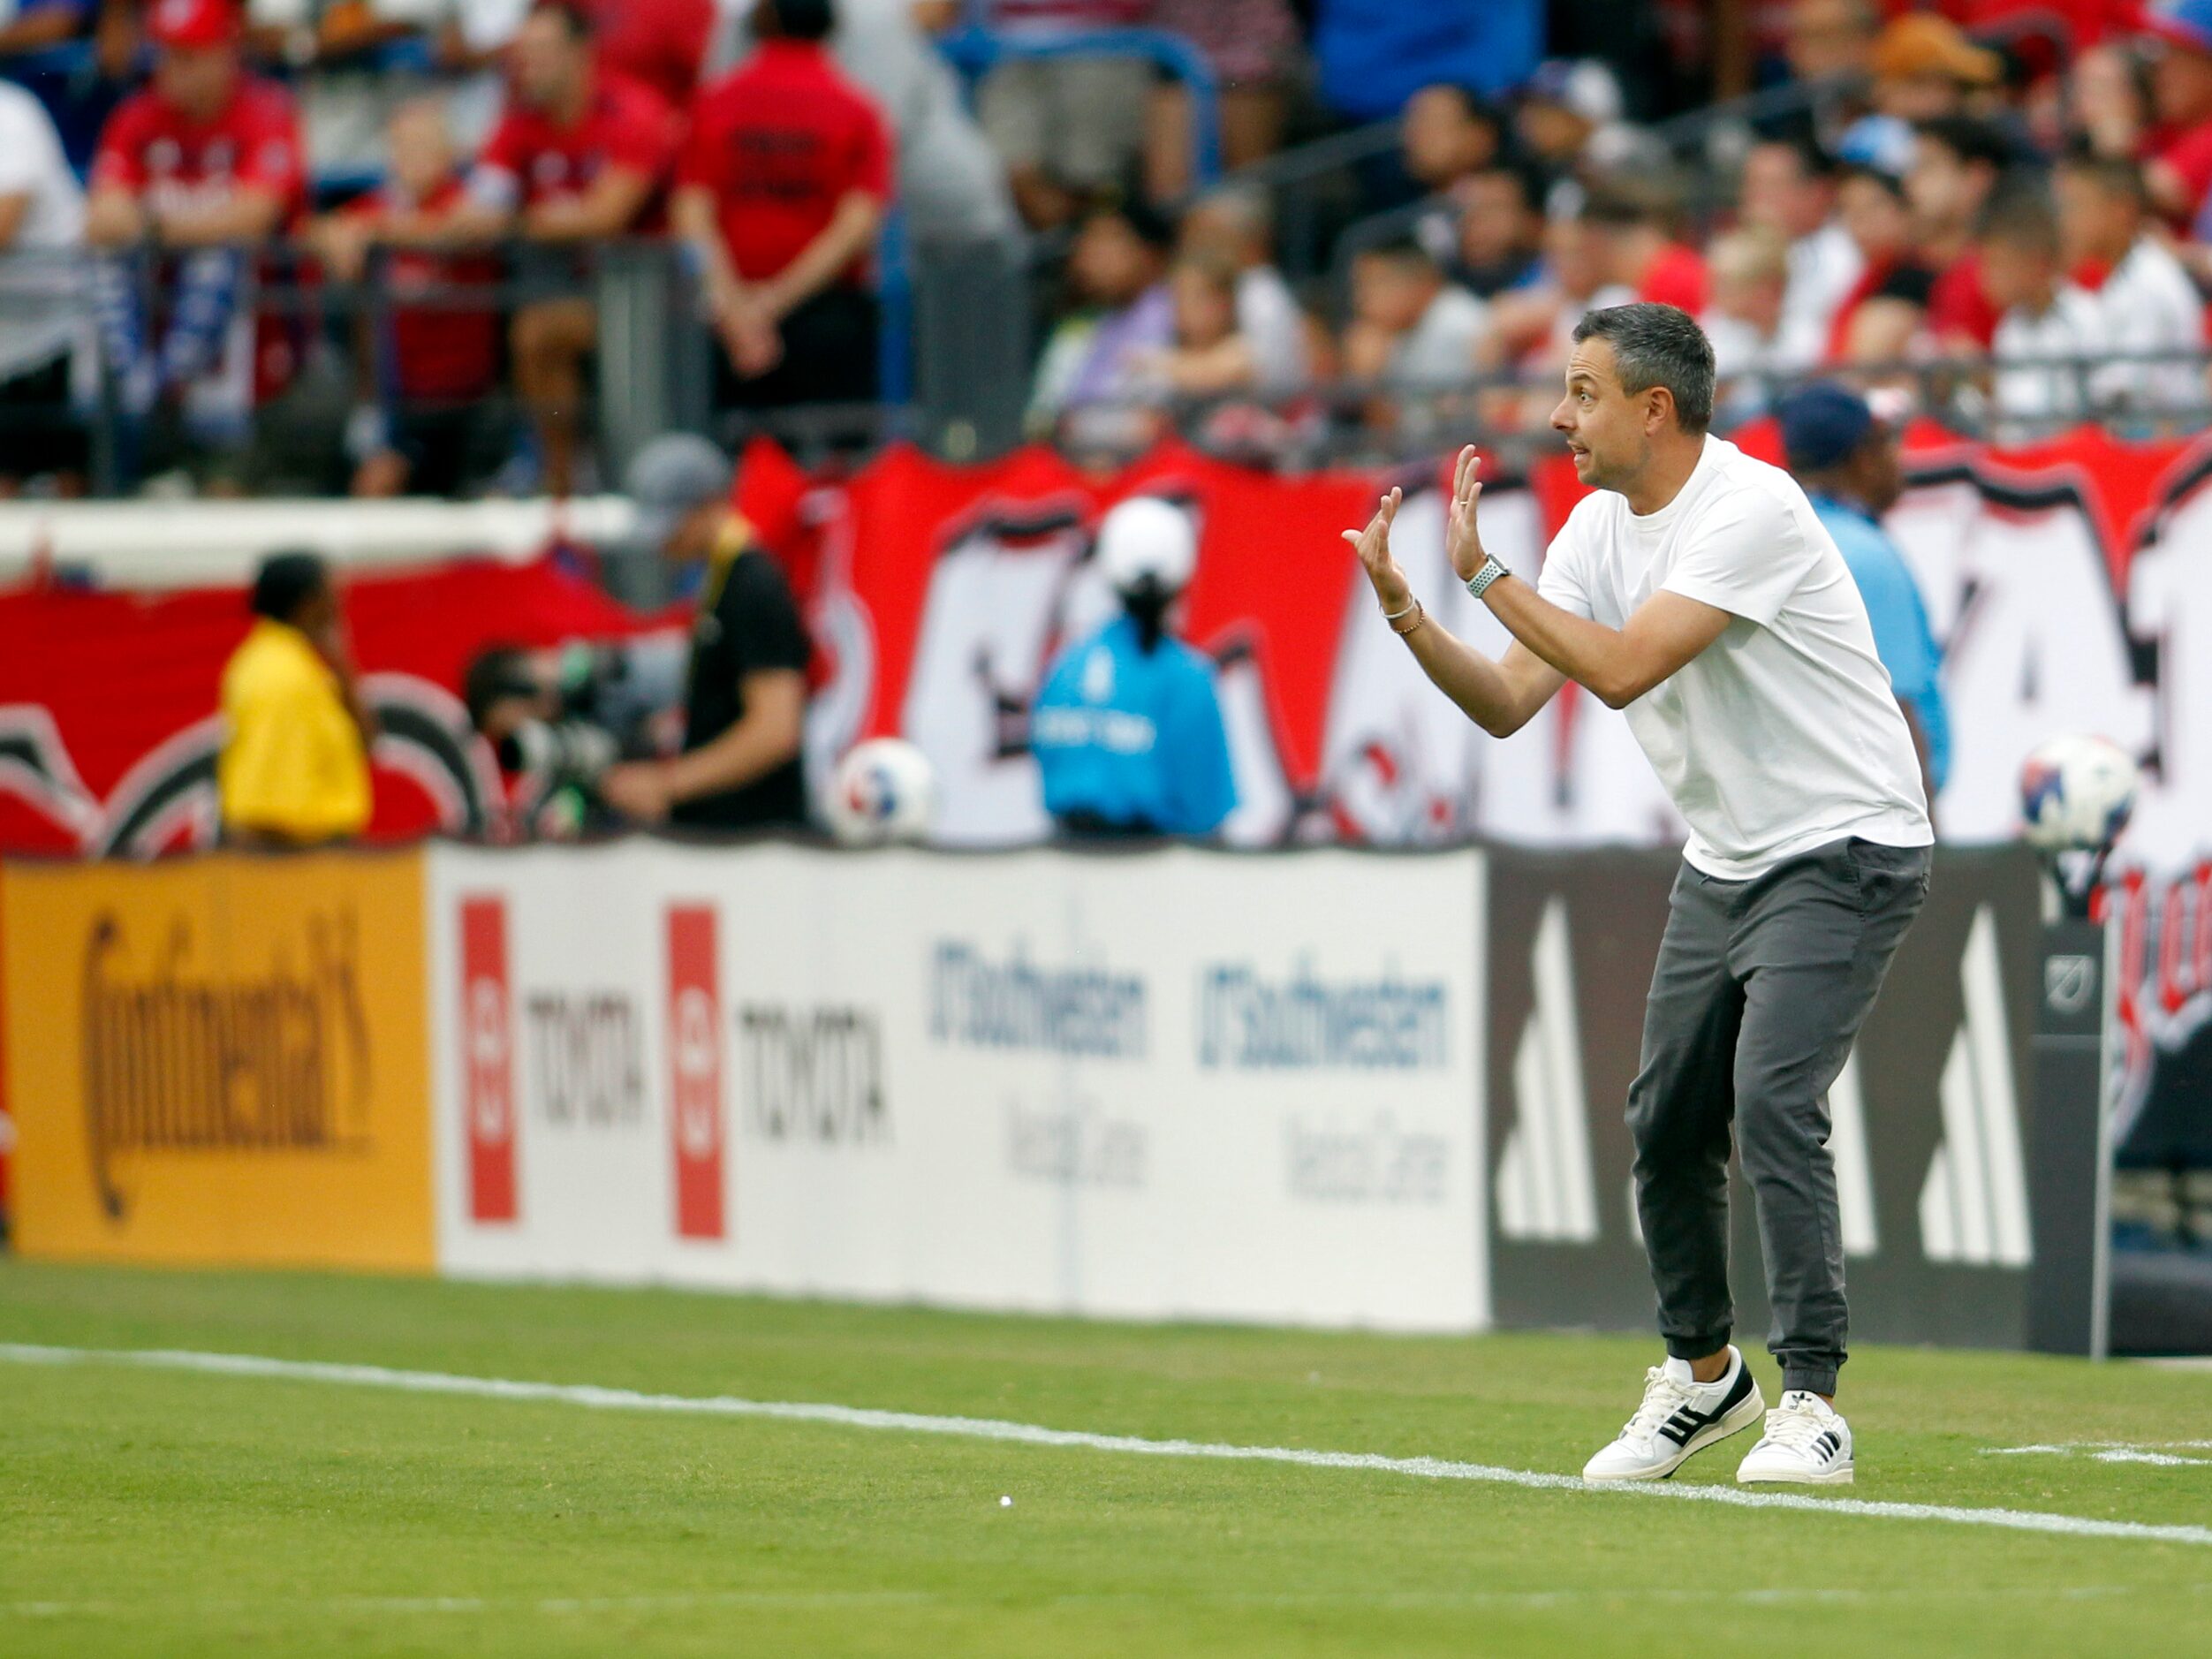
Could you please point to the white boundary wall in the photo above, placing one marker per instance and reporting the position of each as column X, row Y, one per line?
column 1169, row 1084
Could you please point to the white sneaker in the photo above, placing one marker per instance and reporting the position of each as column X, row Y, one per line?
column 1806, row 1442
column 1678, row 1417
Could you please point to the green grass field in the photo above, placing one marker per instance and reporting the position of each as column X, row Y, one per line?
column 149, row 1510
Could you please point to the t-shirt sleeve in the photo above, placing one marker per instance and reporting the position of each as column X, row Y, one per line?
column 641, row 138
column 1563, row 580
column 271, row 159
column 23, row 155
column 699, row 157
column 760, row 619
column 495, row 181
column 1913, row 284
column 871, row 169
column 1747, row 555
column 120, row 164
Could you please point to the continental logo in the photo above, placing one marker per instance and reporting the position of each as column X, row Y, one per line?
column 177, row 1060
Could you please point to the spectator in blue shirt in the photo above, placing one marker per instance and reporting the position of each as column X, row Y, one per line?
column 1377, row 54
column 1127, row 731
column 1847, row 461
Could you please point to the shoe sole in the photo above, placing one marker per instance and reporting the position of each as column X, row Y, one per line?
column 1751, row 1408
column 1834, row 1477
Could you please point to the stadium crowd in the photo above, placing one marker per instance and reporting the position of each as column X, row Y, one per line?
column 308, row 246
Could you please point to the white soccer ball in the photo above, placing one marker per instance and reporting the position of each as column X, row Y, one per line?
column 885, row 789
column 2076, row 793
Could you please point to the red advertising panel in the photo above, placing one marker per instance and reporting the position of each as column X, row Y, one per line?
column 695, row 1048
column 487, row 1046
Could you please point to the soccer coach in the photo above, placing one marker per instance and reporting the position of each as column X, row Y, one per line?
column 1697, row 590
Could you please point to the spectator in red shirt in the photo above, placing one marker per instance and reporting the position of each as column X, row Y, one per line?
column 1957, row 164
column 429, row 428
column 1879, row 314
column 579, row 157
column 780, row 193
column 2178, row 151
column 201, row 165
column 1642, row 254
column 656, row 43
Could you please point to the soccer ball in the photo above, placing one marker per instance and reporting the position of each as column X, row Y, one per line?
column 885, row 790
column 2075, row 794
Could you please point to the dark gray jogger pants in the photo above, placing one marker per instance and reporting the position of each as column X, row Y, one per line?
column 1759, row 993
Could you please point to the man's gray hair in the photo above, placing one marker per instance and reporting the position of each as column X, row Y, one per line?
column 1657, row 345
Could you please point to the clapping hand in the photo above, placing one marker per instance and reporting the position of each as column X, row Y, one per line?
column 1373, row 545
column 1462, row 540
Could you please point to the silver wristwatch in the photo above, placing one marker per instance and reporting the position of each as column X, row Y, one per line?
column 1479, row 582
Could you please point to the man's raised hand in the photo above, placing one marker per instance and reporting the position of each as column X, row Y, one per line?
column 1462, row 541
column 1373, row 545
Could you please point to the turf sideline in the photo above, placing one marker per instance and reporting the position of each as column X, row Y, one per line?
column 597, row 1399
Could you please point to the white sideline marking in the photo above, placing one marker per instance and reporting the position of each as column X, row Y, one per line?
column 2114, row 1452
column 597, row 1398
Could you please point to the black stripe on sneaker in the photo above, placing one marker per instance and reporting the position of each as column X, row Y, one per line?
column 1687, row 1420
column 1828, row 1444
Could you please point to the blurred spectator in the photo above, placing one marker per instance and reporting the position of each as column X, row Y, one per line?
column 1068, row 128
column 1565, row 111
column 1752, row 345
column 337, row 57
column 292, row 770
column 2109, row 101
column 1374, row 54
column 1449, row 133
column 1497, row 241
column 432, row 427
column 2179, row 148
column 1830, row 39
column 2045, row 323
column 28, row 28
column 1120, row 308
column 1878, row 317
column 1849, row 464
column 1209, row 356
column 1924, row 68
column 201, row 165
column 745, row 710
column 1413, row 333
column 781, row 190
column 1532, row 328
column 2151, row 310
column 1956, row 163
column 1636, row 220
column 952, row 182
column 41, row 219
column 1253, row 48
column 469, row 43
column 1790, row 189
column 657, row 43
column 1128, row 727
column 578, row 158
column 1232, row 224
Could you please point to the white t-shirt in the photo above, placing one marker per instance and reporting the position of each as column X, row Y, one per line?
column 39, row 317
column 1783, row 734
column 2151, row 309
column 2072, row 328
column 1824, row 268
column 1439, row 349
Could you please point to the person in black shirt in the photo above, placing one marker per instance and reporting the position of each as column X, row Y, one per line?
column 745, row 688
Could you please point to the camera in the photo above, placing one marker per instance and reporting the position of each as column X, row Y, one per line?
column 559, row 718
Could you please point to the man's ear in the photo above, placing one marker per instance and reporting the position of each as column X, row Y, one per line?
column 1659, row 407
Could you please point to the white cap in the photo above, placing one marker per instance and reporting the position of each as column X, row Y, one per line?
column 1147, row 537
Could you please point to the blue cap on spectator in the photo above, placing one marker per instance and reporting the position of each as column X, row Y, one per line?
column 1821, row 425
column 1880, row 141
column 2186, row 23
